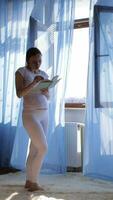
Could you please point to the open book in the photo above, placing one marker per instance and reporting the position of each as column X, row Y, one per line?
column 46, row 84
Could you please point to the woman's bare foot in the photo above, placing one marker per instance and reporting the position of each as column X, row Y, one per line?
column 35, row 187
column 28, row 184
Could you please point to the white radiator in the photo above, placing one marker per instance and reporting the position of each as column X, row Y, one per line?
column 73, row 144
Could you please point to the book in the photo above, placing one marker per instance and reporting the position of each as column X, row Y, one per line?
column 46, row 84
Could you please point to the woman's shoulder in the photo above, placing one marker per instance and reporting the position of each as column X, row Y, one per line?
column 21, row 70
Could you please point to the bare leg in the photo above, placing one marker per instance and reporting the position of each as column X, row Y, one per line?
column 32, row 152
column 38, row 139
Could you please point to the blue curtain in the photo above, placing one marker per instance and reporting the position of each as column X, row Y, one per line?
column 98, row 144
column 14, row 16
column 51, row 30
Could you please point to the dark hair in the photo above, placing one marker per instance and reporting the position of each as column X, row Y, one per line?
column 32, row 52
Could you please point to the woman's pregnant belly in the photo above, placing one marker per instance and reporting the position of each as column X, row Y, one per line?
column 35, row 101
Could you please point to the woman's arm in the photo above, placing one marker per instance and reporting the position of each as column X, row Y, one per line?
column 20, row 89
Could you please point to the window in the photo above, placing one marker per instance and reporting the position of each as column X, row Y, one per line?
column 82, row 9
column 103, row 19
column 77, row 78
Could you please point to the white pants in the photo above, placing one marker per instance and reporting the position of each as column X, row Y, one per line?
column 36, row 124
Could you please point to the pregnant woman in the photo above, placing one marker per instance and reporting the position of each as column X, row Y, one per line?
column 35, row 114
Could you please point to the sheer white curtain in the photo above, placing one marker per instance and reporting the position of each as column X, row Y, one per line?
column 98, row 148
column 51, row 30
column 14, row 18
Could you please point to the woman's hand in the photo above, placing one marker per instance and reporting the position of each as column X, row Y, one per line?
column 37, row 79
column 45, row 92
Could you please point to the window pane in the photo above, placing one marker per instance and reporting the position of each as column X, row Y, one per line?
column 77, row 77
column 103, row 56
column 82, row 9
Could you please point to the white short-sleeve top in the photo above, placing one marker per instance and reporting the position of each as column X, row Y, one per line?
column 33, row 101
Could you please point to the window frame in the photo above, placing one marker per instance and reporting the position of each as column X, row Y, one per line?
column 97, row 10
column 78, row 24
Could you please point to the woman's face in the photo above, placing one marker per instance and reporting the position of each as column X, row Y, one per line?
column 35, row 62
